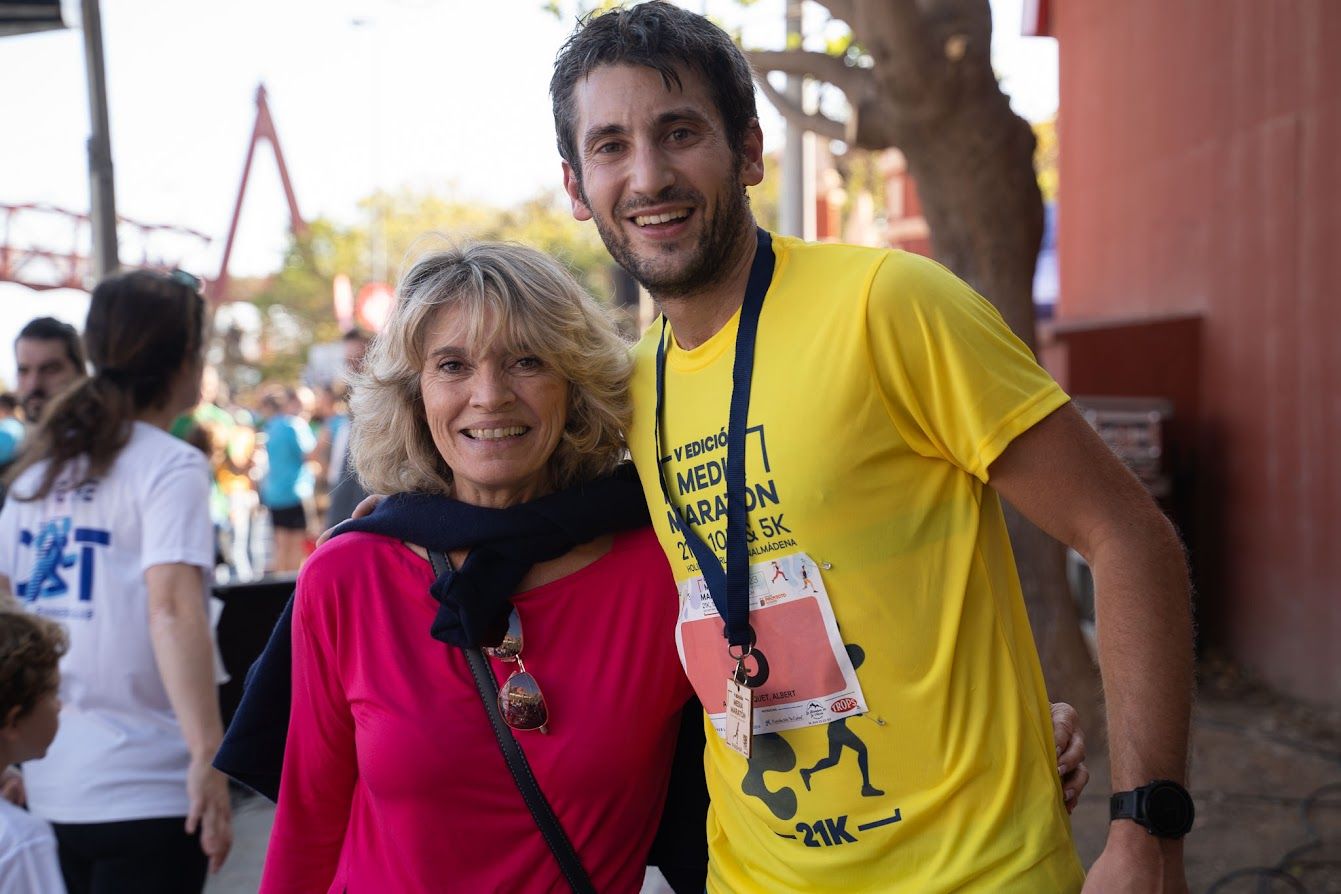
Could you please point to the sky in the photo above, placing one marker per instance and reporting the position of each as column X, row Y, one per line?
column 444, row 95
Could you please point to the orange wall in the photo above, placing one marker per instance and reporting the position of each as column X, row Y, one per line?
column 1201, row 173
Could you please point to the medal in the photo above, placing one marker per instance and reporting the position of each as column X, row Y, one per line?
column 739, row 712
column 740, row 688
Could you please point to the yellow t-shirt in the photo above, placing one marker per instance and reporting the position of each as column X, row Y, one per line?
column 883, row 389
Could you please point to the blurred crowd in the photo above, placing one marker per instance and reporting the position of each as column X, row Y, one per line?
column 281, row 475
column 278, row 452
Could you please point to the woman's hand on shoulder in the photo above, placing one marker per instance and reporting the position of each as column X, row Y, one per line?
column 364, row 508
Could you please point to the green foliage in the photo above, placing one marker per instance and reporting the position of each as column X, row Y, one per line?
column 558, row 8
column 863, row 174
column 840, row 44
column 766, row 198
column 296, row 303
column 1045, row 158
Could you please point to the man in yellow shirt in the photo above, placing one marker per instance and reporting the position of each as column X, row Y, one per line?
column 822, row 432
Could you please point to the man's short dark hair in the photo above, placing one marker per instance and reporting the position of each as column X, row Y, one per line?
column 356, row 334
column 661, row 37
column 52, row 329
column 9, row 401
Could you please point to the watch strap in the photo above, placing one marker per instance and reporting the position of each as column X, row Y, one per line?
column 1125, row 805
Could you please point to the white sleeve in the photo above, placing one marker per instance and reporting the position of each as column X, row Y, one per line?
column 176, row 522
column 11, row 520
column 32, row 867
column 307, row 442
column 9, row 538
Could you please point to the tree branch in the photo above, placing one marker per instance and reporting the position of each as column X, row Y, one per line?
column 899, row 38
column 821, row 66
column 819, row 124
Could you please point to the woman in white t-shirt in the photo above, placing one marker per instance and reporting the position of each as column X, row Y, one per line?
column 107, row 529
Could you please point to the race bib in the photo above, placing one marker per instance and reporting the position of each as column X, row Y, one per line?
column 810, row 679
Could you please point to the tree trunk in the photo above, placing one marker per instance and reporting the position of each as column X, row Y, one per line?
column 931, row 92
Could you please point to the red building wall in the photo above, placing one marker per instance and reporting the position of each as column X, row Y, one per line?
column 1201, row 173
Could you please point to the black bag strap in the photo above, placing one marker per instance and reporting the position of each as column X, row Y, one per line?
column 541, row 812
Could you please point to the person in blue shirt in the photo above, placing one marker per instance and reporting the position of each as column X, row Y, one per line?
column 289, row 443
column 11, row 429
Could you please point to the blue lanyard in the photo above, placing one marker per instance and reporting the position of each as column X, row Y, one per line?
column 729, row 588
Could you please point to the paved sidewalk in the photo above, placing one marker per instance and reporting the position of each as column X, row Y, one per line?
column 1266, row 777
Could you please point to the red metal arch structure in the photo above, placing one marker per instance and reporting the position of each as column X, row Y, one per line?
column 45, row 267
column 263, row 130
column 42, row 268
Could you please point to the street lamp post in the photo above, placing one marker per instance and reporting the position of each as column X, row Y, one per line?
column 102, row 196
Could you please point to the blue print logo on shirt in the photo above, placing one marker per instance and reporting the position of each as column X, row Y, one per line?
column 47, row 580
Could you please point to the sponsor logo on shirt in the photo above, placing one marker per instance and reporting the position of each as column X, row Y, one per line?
column 61, row 569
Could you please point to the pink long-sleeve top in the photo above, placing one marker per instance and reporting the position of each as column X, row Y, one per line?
column 393, row 780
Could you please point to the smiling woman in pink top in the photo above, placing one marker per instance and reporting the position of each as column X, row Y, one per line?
column 497, row 397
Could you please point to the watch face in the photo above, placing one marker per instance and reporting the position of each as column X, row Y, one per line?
column 1169, row 810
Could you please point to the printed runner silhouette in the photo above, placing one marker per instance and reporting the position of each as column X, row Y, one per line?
column 772, row 753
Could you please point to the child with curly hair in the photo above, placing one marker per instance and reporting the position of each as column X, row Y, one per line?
column 30, row 651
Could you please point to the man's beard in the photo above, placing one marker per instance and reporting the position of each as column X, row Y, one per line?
column 33, row 405
column 703, row 264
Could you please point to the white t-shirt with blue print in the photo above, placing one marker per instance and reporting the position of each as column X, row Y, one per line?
column 78, row 556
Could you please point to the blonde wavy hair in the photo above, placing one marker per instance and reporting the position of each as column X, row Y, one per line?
column 530, row 304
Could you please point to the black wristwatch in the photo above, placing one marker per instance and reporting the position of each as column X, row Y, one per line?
column 1163, row 807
